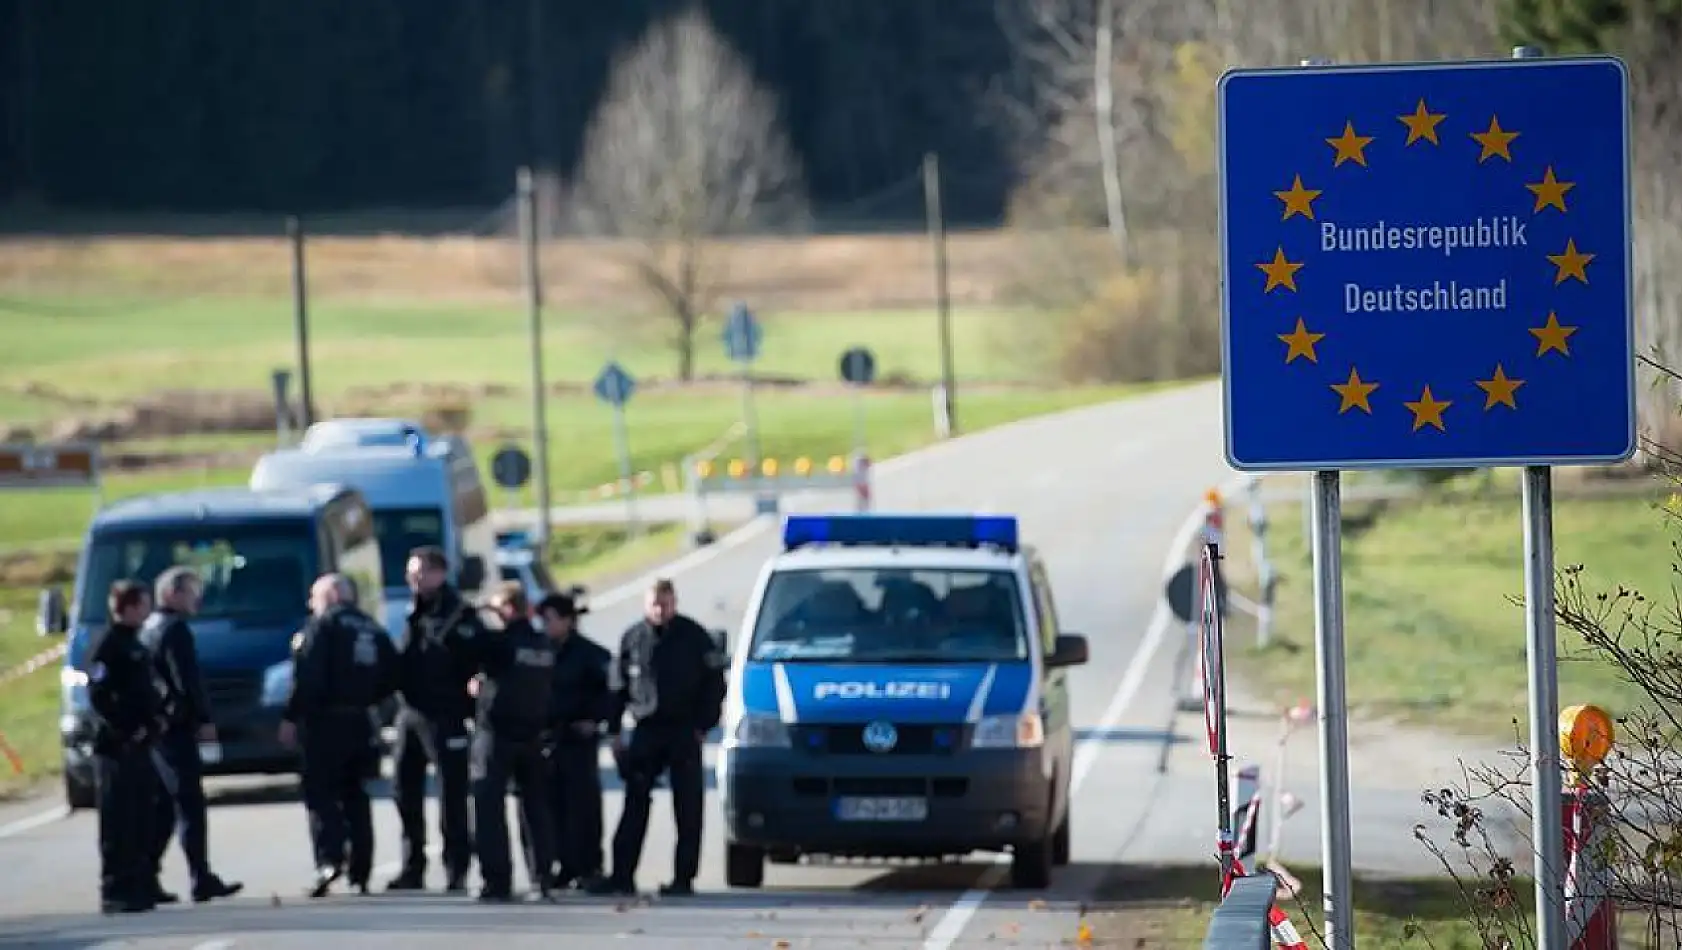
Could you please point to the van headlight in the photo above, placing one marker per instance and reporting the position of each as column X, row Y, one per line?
column 1015, row 731
column 758, row 731
column 277, row 683
column 72, row 689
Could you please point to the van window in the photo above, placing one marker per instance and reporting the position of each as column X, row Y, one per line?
column 891, row 615
column 401, row 530
column 252, row 573
column 1045, row 612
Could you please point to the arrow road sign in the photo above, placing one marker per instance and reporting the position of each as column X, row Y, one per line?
column 858, row 366
column 613, row 385
column 1428, row 265
column 510, row 467
column 742, row 335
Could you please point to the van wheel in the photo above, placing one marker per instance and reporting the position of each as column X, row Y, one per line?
column 78, row 794
column 744, row 866
column 1060, row 844
column 1030, row 866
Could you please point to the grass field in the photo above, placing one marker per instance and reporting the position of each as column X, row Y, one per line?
column 108, row 349
column 1433, row 634
column 595, row 555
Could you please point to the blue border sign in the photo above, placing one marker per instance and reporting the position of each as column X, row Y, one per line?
column 1427, row 265
column 613, row 385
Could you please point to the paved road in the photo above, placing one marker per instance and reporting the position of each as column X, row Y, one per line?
column 1105, row 492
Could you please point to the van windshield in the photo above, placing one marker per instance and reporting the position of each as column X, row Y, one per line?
column 897, row 615
column 252, row 573
column 401, row 530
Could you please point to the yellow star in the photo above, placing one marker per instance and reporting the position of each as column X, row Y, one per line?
column 1550, row 191
column 1552, row 336
column 1354, row 393
column 1498, row 389
column 1422, row 124
column 1571, row 263
column 1301, row 342
column 1495, row 141
column 1350, row 147
column 1280, row 272
column 1428, row 411
column 1298, row 200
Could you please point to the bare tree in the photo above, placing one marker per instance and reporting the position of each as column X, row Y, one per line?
column 685, row 148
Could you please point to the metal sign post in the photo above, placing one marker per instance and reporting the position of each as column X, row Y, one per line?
column 614, row 386
column 858, row 368
column 742, row 336
column 1428, row 266
column 281, row 378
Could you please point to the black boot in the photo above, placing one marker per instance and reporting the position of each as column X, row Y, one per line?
column 211, row 887
column 609, row 887
column 408, row 881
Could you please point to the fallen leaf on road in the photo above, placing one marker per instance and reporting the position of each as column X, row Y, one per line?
column 1036, row 904
column 918, row 914
column 782, row 945
column 1083, row 934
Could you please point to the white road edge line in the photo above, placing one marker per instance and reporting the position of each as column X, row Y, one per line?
column 957, row 916
column 31, row 822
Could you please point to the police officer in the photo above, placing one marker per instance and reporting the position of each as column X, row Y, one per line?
column 343, row 665
column 128, row 700
column 514, row 702
column 669, row 675
column 440, row 654
column 581, row 702
column 170, row 640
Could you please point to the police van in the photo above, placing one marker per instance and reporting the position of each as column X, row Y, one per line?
column 899, row 690
column 256, row 554
column 422, row 490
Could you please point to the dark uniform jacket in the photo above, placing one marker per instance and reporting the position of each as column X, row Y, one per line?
column 441, row 651
column 342, row 662
column 170, row 641
column 519, row 678
column 123, row 689
column 580, row 691
column 668, row 676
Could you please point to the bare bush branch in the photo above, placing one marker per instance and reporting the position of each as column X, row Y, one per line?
column 685, row 147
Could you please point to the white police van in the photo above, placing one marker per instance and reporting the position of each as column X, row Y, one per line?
column 899, row 690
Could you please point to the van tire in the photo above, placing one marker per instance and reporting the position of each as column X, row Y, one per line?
column 78, row 794
column 744, row 866
column 1030, row 865
column 1061, row 844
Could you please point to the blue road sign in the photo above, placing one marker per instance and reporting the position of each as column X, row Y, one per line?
column 742, row 335
column 613, row 385
column 1427, row 265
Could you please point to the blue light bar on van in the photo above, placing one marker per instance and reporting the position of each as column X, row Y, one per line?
column 901, row 530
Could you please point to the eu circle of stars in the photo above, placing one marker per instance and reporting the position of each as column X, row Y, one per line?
column 1491, row 149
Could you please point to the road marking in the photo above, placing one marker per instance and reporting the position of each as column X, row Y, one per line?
column 213, row 945
column 31, row 822
column 952, row 923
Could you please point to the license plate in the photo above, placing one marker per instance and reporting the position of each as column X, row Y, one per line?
column 882, row 809
column 210, row 753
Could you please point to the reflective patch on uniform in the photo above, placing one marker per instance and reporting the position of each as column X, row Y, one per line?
column 455, row 743
column 297, row 641
column 96, row 673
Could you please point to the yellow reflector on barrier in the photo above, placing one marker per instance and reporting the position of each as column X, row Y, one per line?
column 738, row 468
column 802, row 466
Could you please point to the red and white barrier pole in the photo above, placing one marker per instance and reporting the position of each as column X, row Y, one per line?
column 1591, row 916
column 861, row 481
column 1214, row 532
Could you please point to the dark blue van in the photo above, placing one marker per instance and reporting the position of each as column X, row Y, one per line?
column 257, row 552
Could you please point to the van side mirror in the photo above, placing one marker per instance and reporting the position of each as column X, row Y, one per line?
column 1071, row 651
column 51, row 619
column 472, row 574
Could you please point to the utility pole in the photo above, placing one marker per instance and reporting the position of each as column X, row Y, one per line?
column 301, row 320
column 943, row 302
column 534, row 311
